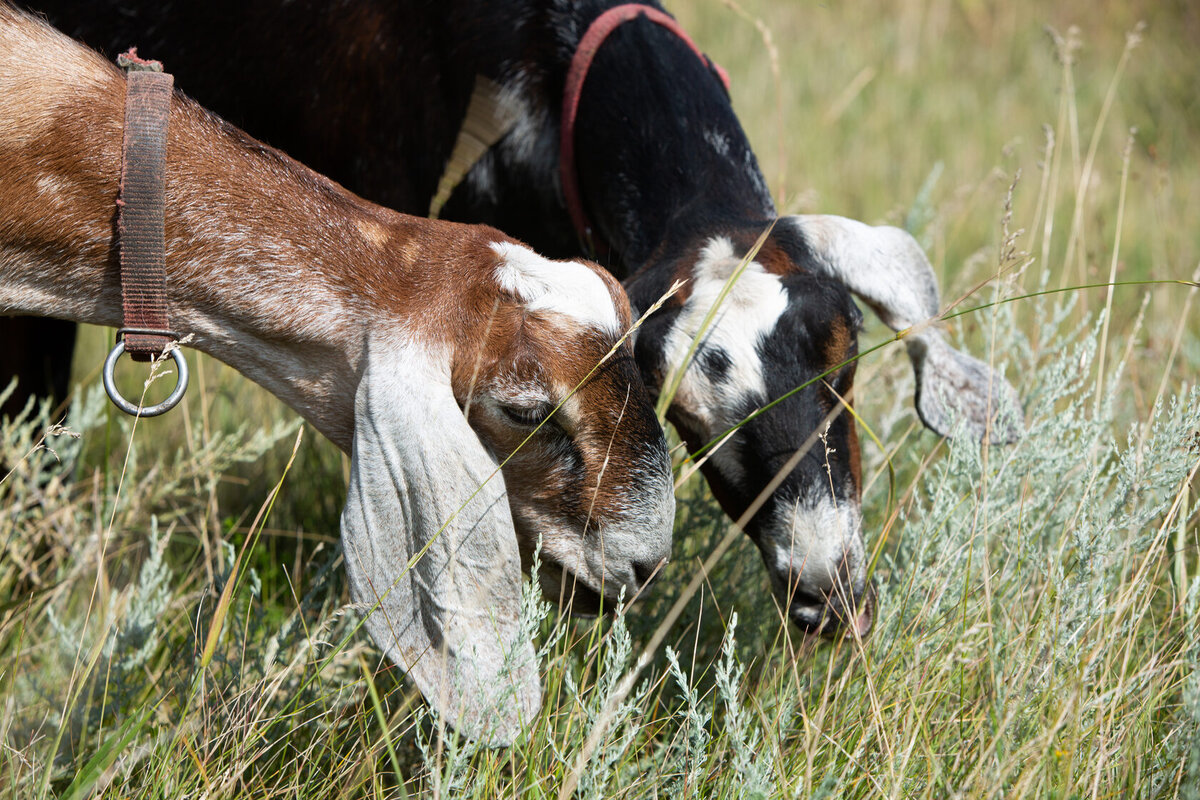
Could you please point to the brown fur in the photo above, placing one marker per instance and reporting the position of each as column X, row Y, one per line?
column 282, row 273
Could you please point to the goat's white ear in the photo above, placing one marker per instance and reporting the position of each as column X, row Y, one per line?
column 886, row 269
column 430, row 547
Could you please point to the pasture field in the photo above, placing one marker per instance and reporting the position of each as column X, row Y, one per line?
column 174, row 619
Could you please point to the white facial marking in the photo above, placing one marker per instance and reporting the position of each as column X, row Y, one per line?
column 525, row 394
column 557, row 287
column 809, row 540
column 748, row 314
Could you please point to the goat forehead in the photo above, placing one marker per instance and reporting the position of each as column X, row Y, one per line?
column 728, row 367
column 557, row 287
column 755, row 300
column 555, row 352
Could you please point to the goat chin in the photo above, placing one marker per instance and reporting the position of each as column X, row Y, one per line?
column 574, row 594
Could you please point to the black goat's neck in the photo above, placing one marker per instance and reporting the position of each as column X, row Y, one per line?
column 661, row 157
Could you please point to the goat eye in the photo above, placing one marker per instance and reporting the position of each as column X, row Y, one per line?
column 528, row 417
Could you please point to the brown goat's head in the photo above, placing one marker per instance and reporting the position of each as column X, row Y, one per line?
column 509, row 408
column 597, row 465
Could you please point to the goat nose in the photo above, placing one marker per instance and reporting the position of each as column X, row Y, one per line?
column 854, row 609
column 646, row 572
column 829, row 613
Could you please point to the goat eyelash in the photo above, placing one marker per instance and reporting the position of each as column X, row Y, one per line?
column 528, row 416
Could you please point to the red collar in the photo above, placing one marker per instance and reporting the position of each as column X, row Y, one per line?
column 595, row 35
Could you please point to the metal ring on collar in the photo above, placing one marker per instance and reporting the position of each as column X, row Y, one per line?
column 129, row 408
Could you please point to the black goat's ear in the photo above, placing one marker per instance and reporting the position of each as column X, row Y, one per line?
column 886, row 268
column 430, row 549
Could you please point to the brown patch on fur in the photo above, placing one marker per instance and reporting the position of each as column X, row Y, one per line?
column 839, row 343
column 838, row 347
column 41, row 75
column 773, row 259
column 855, row 457
column 684, row 274
column 373, row 232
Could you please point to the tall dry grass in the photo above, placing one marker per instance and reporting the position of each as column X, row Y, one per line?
column 1037, row 628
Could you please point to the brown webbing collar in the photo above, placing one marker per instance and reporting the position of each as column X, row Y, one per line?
column 141, row 207
column 141, row 233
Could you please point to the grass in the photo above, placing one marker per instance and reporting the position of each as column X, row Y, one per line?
column 1039, row 612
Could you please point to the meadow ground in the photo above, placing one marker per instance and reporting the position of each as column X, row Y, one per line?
column 1038, row 632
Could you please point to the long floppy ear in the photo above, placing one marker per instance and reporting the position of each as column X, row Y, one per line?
column 886, row 268
column 429, row 545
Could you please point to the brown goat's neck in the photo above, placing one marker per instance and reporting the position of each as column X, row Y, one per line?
column 273, row 269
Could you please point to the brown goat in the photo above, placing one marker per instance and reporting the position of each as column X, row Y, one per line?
column 379, row 329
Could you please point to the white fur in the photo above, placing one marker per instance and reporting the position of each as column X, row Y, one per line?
column 883, row 265
column 718, row 141
column 555, row 287
column 807, row 542
column 429, row 547
column 527, row 138
column 748, row 314
column 638, row 537
column 532, row 144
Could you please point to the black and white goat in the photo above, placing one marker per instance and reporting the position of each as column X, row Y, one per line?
column 374, row 93
column 428, row 350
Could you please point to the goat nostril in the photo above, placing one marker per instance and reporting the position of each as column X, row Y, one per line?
column 646, row 571
column 833, row 611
